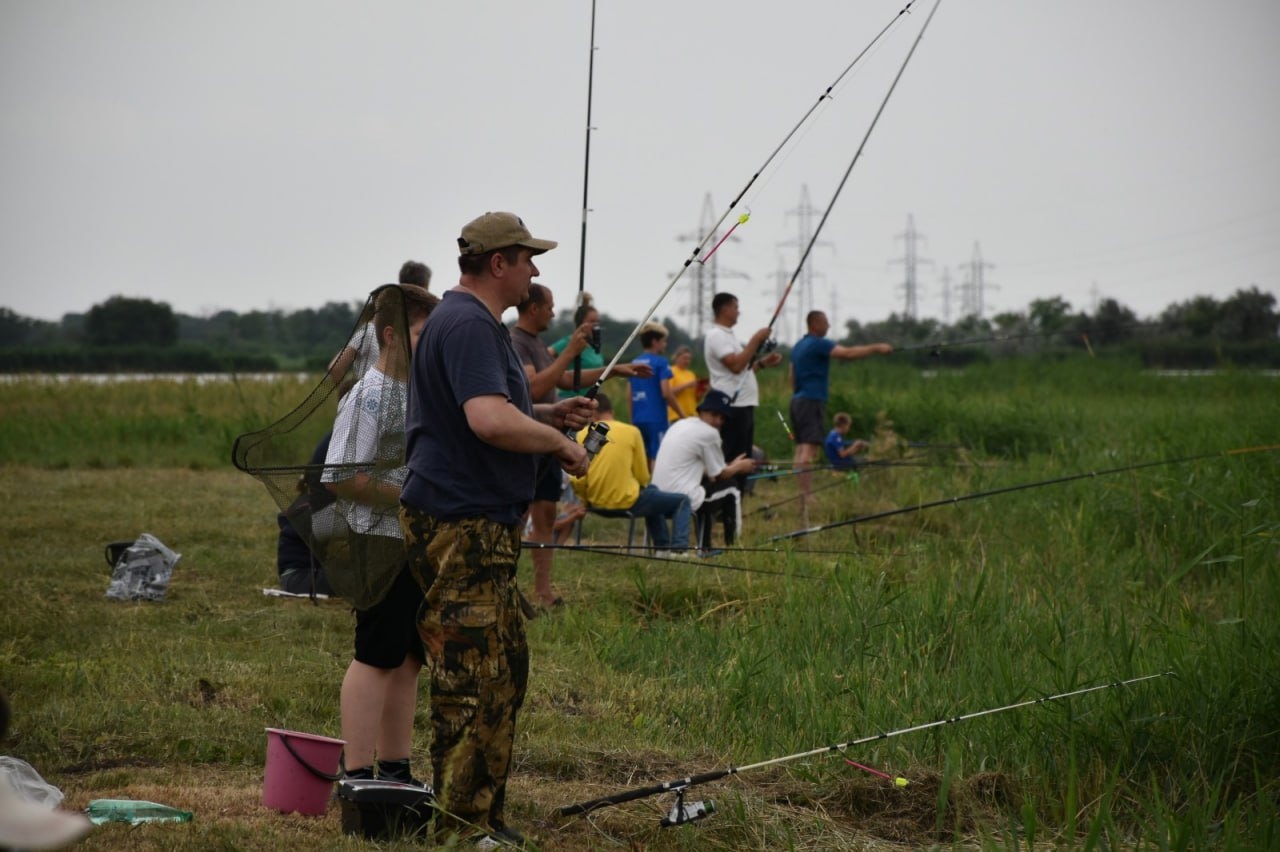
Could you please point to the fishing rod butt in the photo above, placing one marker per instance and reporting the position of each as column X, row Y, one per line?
column 581, row 807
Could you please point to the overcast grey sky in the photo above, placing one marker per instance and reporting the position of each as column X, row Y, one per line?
column 282, row 154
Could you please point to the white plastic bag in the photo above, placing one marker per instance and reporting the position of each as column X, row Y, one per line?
column 143, row 571
column 27, row 783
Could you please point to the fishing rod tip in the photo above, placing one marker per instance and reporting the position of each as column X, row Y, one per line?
column 900, row 781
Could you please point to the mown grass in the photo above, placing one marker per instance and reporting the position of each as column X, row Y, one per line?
column 659, row 669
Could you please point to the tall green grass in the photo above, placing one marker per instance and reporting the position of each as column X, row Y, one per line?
column 152, row 423
column 657, row 669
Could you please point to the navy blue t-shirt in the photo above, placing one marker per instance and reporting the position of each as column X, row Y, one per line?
column 810, row 364
column 464, row 353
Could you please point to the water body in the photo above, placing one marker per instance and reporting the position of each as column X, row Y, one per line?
column 124, row 378
column 1164, row 374
column 1194, row 374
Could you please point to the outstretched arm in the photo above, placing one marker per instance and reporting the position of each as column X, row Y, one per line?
column 852, row 353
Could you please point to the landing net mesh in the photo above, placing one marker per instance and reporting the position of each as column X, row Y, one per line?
column 335, row 463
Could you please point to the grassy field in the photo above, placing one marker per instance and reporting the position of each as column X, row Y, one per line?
column 657, row 669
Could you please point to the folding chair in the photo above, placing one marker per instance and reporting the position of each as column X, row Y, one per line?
column 615, row 513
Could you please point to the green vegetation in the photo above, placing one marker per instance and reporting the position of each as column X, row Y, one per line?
column 139, row 335
column 659, row 669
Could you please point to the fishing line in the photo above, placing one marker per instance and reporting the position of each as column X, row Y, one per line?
column 680, row 784
column 808, row 249
column 948, row 501
column 697, row 250
column 874, row 47
column 857, row 155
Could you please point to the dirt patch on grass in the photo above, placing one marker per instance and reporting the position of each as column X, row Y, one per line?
column 755, row 812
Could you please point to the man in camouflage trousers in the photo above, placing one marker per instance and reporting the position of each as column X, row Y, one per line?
column 473, row 439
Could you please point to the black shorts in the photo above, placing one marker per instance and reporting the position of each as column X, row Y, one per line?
column 809, row 420
column 549, row 482
column 388, row 631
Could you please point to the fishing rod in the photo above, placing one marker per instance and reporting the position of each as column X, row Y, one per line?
column 786, row 426
column 779, row 465
column 836, row 484
column 772, row 471
column 586, row 175
column 651, row 555
column 697, row 250
column 808, row 249
column 866, row 467
column 630, row 549
column 948, row 501
column 683, row 812
column 766, row 473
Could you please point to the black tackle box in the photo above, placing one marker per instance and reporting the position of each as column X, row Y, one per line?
column 384, row 809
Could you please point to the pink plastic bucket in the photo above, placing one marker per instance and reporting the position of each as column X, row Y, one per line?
column 300, row 772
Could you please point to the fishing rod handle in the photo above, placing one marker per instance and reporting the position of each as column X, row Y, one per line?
column 643, row 792
column 572, row 434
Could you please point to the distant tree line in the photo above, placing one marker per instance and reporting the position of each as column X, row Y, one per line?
column 1199, row 332
column 123, row 334
column 129, row 334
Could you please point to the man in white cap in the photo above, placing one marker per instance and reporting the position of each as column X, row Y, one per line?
column 472, row 436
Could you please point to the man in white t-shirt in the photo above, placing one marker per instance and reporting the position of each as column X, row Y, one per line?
column 733, row 373
column 691, row 462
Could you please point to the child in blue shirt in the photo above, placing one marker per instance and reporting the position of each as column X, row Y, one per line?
column 840, row 451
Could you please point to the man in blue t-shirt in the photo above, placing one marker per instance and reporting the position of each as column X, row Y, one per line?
column 650, row 395
column 472, row 436
column 810, row 373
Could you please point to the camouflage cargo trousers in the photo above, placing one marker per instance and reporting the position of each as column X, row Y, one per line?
column 473, row 630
